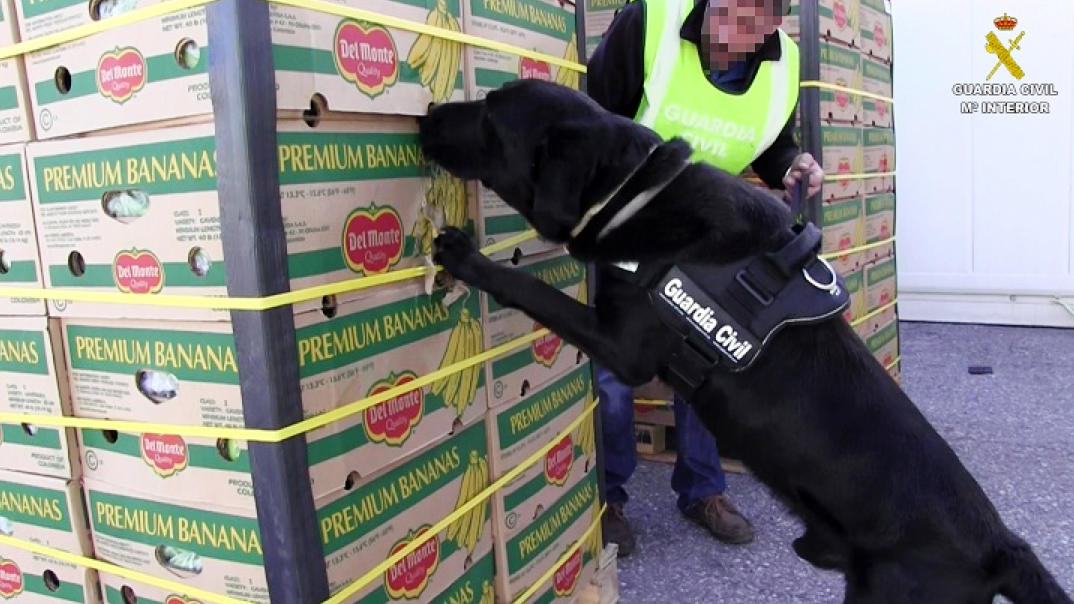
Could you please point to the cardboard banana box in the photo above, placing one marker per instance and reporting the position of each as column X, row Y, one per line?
column 187, row 373
column 15, row 123
column 547, row 26
column 841, row 154
column 50, row 512
column 513, row 375
column 20, row 263
column 881, row 282
column 598, row 18
column 839, row 21
column 381, row 513
column 519, row 429
column 879, row 217
column 855, row 285
column 119, row 590
column 156, row 70
column 34, row 375
column 876, row 79
column 875, row 30
column 878, row 156
column 843, row 228
column 523, row 559
column 884, row 343
column 140, row 214
column 840, row 66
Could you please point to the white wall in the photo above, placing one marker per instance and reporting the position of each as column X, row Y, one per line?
column 984, row 214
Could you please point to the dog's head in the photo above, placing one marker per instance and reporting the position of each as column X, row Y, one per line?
column 546, row 150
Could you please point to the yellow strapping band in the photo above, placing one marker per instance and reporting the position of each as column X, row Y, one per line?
column 855, row 250
column 241, row 303
column 171, row 6
column 526, row 595
column 859, row 176
column 351, row 588
column 853, row 91
column 272, row 436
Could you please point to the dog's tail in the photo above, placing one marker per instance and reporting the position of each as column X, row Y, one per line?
column 1023, row 579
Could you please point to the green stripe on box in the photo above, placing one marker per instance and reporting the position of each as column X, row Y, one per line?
column 319, row 262
column 44, row 438
column 67, row 591
column 115, row 596
column 299, row 59
column 551, row 525
column 9, row 99
column 182, row 166
column 21, row 271
column 530, row 15
column 512, row 362
column 534, row 486
column 157, row 69
column 205, row 457
column 341, row 157
column 192, row 356
column 36, row 506
column 505, row 225
column 24, row 352
column 524, row 419
column 216, row 535
column 36, row 8
column 345, row 522
column 176, row 274
column 490, row 78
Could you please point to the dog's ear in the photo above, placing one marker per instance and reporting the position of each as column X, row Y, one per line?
column 563, row 167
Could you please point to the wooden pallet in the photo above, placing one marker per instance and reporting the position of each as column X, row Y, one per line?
column 604, row 589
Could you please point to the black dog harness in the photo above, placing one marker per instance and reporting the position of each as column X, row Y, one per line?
column 725, row 315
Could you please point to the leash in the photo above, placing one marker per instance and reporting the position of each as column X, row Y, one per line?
column 799, row 196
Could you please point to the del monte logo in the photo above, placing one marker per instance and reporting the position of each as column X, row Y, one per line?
column 165, row 453
column 11, row 583
column 843, row 168
column 121, row 74
column 534, row 70
column 409, row 577
column 559, row 461
column 366, row 56
column 547, row 347
column 878, row 33
column 566, row 577
column 138, row 272
column 842, row 97
column 839, row 12
column 392, row 421
column 173, row 599
column 373, row 239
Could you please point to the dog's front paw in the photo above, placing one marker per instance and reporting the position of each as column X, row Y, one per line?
column 456, row 252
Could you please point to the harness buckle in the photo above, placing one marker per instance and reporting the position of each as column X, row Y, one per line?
column 742, row 278
column 690, row 366
column 821, row 286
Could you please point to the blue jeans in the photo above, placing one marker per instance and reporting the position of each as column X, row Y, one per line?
column 697, row 471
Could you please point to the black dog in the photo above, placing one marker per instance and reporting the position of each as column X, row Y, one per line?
column 816, row 418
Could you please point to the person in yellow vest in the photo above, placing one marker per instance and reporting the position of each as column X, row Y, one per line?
column 722, row 75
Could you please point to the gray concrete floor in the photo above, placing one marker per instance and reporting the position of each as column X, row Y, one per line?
column 1014, row 430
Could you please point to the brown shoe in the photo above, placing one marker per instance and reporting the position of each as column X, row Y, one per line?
column 720, row 517
column 617, row 530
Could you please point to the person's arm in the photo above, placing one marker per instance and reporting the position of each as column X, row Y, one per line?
column 616, row 71
column 772, row 165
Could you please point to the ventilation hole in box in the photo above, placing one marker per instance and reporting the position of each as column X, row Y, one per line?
column 329, row 306
column 128, row 595
column 157, row 386
column 76, row 263
column 52, row 582
column 455, row 427
column 125, row 206
column 228, row 449
column 352, row 479
column 516, row 257
column 63, row 80
column 105, row 9
column 318, row 105
column 525, row 387
column 537, row 511
column 187, row 54
column 111, row 436
column 5, row 263
column 579, row 358
column 199, row 261
column 29, row 429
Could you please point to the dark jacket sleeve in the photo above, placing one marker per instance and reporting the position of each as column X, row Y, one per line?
column 616, row 71
column 772, row 164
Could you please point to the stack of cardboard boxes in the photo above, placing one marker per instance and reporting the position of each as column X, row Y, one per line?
column 117, row 191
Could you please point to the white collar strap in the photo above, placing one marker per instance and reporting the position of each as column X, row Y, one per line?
column 598, row 207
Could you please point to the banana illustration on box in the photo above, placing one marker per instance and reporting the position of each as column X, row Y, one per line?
column 565, row 76
column 587, row 440
column 459, row 389
column 437, row 59
column 467, row 531
column 488, row 596
column 449, row 195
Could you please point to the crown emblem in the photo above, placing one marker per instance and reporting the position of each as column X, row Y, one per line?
column 1005, row 23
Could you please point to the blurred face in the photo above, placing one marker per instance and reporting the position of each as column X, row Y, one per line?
column 736, row 28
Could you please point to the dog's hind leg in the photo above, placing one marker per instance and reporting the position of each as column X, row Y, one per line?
column 819, row 550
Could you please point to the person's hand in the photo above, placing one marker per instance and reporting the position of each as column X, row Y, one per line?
column 804, row 164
